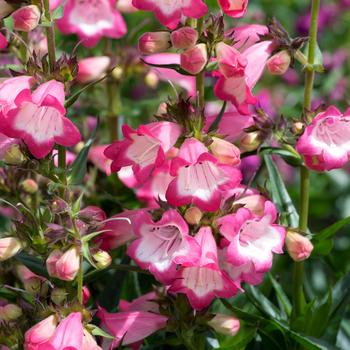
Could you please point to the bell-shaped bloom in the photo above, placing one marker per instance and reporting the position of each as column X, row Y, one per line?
column 162, row 245
column 184, row 38
column 92, row 20
column 9, row 247
column 26, row 18
column 154, row 42
column 252, row 240
column 40, row 333
column 200, row 178
column 325, row 143
column 224, row 324
column 143, row 148
column 202, row 280
column 131, row 327
column 169, row 12
column 92, row 68
column 194, row 60
column 38, row 119
column 3, row 41
column 65, row 265
column 234, row 8
column 236, row 86
column 116, row 231
column 298, row 246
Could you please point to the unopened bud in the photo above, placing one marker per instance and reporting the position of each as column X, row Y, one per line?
column 9, row 247
column 117, row 73
column 86, row 294
column 226, row 325
column 154, row 42
column 102, row 259
column 36, row 285
column 92, row 68
column 3, row 41
column 298, row 246
column 251, row 141
column 162, row 108
column 194, row 59
column 297, row 128
column 10, row 312
column 58, row 295
column 30, row 186
column 224, row 151
column 193, row 215
column 26, row 18
column 14, row 155
column 151, row 80
column 279, row 63
column 184, row 38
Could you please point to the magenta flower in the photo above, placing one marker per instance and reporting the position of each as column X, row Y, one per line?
column 38, row 119
column 162, row 245
column 3, row 41
column 234, row 8
column 98, row 158
column 199, row 177
column 169, row 12
column 252, row 240
column 143, row 148
column 325, row 143
column 202, row 280
column 91, row 20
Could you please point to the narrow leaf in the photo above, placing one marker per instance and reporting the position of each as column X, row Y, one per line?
column 217, row 120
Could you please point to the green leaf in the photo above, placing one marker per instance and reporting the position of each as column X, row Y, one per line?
column 217, row 120
column 34, row 264
column 79, row 167
column 245, row 335
column 281, row 296
column 279, row 193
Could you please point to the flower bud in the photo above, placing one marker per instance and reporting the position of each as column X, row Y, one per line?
column 117, row 73
column 102, row 259
column 10, row 312
column 40, row 333
column 195, row 59
column 151, row 79
column 26, row 18
column 226, row 325
column 9, row 247
column 92, row 214
column 279, row 63
column 297, row 128
column 58, row 295
column 29, row 186
column 14, row 155
column 92, row 68
column 86, row 294
column 5, row 9
column 251, row 141
column 3, row 41
column 225, row 151
column 298, row 246
column 184, row 38
column 154, row 42
column 64, row 266
column 193, row 215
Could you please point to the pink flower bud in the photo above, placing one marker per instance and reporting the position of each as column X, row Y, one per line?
column 64, row 266
column 30, row 186
column 154, row 42
column 299, row 247
column 298, row 128
column 5, row 9
column 231, row 62
column 9, row 247
column 193, row 215
column 225, row 151
column 92, row 68
column 92, row 214
column 251, row 141
column 279, row 63
column 102, row 259
column 10, row 312
column 86, row 294
column 3, row 41
column 184, row 38
column 40, row 333
column 195, row 59
column 26, row 18
column 226, row 325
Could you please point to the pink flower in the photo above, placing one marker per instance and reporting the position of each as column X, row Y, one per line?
column 98, row 158
column 202, row 280
column 92, row 20
column 3, row 41
column 92, row 68
column 162, row 245
column 242, row 73
column 252, row 240
column 40, row 333
column 234, row 8
column 146, row 302
column 143, row 148
column 231, row 62
column 131, row 327
column 298, row 246
column 325, row 143
column 225, row 152
column 169, row 12
column 226, row 325
column 43, row 107
column 194, row 60
column 279, row 63
column 89, row 342
column 154, row 42
column 200, row 178
column 184, row 38
column 26, row 18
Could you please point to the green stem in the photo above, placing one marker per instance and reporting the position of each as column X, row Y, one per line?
column 200, row 76
column 80, row 278
column 114, row 102
column 298, row 274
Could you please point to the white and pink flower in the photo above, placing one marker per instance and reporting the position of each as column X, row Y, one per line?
column 200, row 178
